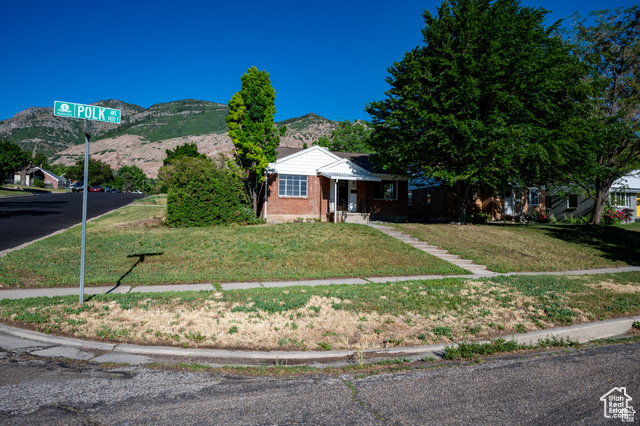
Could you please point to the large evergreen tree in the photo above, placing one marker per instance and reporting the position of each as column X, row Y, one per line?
column 252, row 129
column 482, row 104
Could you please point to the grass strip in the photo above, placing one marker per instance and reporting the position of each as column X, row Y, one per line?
column 466, row 350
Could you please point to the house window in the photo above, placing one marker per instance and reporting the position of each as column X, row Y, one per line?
column 548, row 202
column 534, row 197
column 572, row 202
column 385, row 190
column 292, row 185
column 622, row 199
column 427, row 196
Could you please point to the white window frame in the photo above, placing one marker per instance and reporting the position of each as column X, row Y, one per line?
column 287, row 187
column 531, row 192
column 569, row 198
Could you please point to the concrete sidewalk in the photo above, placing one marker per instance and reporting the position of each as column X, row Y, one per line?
column 70, row 291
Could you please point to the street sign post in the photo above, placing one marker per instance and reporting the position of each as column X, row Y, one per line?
column 86, row 112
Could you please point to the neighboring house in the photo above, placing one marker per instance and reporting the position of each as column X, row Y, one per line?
column 625, row 194
column 316, row 183
column 50, row 180
column 428, row 201
column 516, row 202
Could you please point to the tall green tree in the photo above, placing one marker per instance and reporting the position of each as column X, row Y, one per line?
column 100, row 173
column 130, row 178
column 12, row 159
column 348, row 137
column 252, row 129
column 609, row 138
column 482, row 103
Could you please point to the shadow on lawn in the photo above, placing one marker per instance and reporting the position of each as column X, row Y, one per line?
column 141, row 257
column 614, row 242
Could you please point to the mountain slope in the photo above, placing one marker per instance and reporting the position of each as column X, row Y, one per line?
column 144, row 135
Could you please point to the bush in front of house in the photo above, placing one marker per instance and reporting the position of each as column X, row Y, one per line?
column 612, row 216
column 200, row 193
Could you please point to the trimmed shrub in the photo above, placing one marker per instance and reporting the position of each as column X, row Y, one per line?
column 201, row 194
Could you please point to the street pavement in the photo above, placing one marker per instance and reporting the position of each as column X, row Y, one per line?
column 28, row 218
column 556, row 388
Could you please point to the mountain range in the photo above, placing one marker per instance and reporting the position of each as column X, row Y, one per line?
column 143, row 135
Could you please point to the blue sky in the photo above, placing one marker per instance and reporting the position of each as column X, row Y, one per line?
column 326, row 57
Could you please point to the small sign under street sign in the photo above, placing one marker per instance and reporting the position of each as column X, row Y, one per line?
column 88, row 112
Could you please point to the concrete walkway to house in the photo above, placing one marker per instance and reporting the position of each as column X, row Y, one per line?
column 433, row 250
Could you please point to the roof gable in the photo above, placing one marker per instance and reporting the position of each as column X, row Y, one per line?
column 304, row 162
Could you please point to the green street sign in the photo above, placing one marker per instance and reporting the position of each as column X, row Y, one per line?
column 89, row 112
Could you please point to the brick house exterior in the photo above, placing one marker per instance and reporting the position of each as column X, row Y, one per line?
column 318, row 184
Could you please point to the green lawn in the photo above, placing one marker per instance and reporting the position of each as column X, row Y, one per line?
column 130, row 246
column 526, row 247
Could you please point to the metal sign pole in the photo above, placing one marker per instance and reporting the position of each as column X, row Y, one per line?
column 87, row 112
column 87, row 136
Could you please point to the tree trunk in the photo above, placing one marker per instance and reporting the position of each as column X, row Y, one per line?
column 462, row 192
column 23, row 174
column 602, row 193
column 25, row 169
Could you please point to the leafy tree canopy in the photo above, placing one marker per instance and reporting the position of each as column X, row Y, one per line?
column 186, row 150
column 482, row 104
column 130, row 178
column 608, row 139
column 348, row 137
column 12, row 159
column 100, row 173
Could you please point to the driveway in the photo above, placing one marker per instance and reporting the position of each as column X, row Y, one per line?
column 24, row 219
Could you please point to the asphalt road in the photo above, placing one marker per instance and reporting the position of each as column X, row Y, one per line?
column 543, row 389
column 24, row 219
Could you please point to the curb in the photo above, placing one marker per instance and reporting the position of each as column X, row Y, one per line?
column 581, row 333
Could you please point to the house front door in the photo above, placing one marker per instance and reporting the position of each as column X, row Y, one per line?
column 343, row 194
column 353, row 196
column 509, row 203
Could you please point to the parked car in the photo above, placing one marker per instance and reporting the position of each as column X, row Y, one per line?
column 107, row 189
column 77, row 187
column 115, row 190
column 96, row 188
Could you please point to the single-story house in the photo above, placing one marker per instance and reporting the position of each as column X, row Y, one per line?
column 50, row 179
column 319, row 184
column 561, row 202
